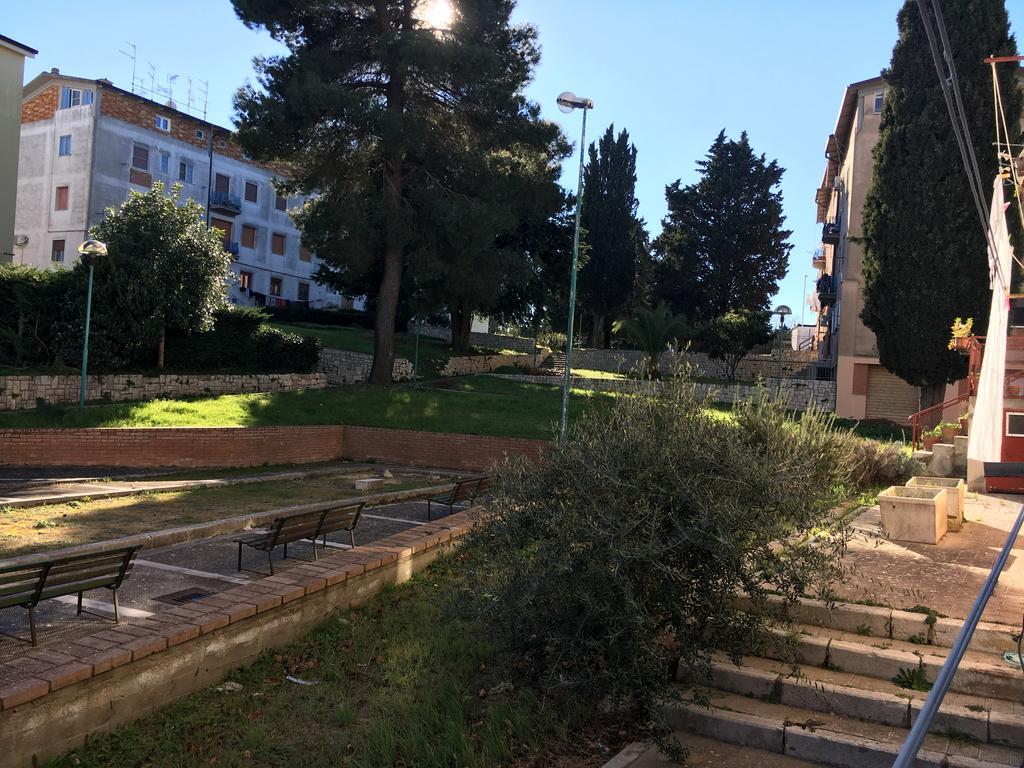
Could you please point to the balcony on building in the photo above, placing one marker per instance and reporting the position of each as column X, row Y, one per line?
column 231, row 246
column 818, row 259
column 830, row 232
column 222, row 202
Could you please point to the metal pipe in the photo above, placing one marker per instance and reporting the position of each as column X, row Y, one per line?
column 85, row 342
column 572, row 288
column 908, row 753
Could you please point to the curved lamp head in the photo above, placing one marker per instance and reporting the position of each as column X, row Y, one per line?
column 782, row 311
column 90, row 249
column 568, row 101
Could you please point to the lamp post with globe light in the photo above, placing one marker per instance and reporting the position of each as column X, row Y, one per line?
column 88, row 250
column 567, row 102
column 782, row 311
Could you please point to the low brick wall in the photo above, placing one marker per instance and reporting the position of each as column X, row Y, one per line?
column 474, row 453
column 800, row 393
column 254, row 446
column 169, row 447
column 476, row 364
column 20, row 392
column 121, row 673
column 340, row 366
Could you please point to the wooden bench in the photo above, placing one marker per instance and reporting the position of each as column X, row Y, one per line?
column 464, row 491
column 302, row 526
column 26, row 584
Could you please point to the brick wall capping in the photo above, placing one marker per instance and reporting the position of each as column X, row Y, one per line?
column 199, row 531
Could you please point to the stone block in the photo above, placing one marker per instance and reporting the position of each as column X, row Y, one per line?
column 955, row 498
column 369, row 484
column 914, row 514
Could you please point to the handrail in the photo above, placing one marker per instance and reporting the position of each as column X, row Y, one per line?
column 908, row 753
column 915, row 418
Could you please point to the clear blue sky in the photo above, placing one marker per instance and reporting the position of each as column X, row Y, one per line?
column 673, row 72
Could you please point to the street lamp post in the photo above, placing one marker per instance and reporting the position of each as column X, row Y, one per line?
column 782, row 311
column 567, row 102
column 88, row 250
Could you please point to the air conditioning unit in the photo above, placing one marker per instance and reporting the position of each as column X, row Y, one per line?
column 21, row 240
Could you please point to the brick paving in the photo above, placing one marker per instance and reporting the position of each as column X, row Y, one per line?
column 947, row 576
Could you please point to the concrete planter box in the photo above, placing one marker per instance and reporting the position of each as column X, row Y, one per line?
column 916, row 515
column 954, row 501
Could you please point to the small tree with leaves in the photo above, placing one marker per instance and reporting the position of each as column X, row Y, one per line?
column 165, row 269
column 730, row 338
column 652, row 329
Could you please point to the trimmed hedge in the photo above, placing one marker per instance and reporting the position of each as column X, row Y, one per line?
column 322, row 316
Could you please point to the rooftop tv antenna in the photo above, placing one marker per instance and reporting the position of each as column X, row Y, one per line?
column 130, row 53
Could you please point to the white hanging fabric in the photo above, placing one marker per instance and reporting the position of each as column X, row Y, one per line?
column 985, row 442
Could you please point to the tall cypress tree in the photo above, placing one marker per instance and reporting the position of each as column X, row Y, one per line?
column 373, row 110
column 615, row 236
column 925, row 257
column 722, row 245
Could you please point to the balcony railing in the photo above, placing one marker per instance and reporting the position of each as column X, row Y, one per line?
column 231, row 246
column 830, row 232
column 818, row 259
column 222, row 202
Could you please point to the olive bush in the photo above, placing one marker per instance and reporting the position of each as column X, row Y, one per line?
column 606, row 565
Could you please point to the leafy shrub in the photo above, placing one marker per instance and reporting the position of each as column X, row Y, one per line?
column 322, row 316
column 618, row 556
column 873, row 463
column 285, row 352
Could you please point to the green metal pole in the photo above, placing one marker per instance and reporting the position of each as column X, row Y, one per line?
column 85, row 343
column 778, row 378
column 572, row 288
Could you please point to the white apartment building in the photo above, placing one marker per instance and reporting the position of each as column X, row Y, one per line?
column 86, row 143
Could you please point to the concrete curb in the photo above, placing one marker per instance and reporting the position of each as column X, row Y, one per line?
column 198, row 531
column 629, row 755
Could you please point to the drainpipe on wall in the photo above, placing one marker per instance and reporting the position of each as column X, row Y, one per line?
column 209, row 175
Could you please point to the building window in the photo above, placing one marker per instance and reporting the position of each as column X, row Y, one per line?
column 245, row 281
column 162, row 123
column 1015, row 425
column 74, row 97
column 64, row 145
column 61, row 203
column 248, row 236
column 185, row 172
column 879, row 101
column 304, row 254
column 281, row 203
column 165, row 162
column 304, row 292
column 140, row 158
column 275, row 286
column 251, row 191
column 57, row 251
column 200, row 134
column 277, row 244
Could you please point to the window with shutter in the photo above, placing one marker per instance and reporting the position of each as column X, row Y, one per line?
column 251, row 192
column 140, row 158
column 61, row 203
column 277, row 245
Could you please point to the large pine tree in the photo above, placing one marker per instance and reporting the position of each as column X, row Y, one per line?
column 924, row 249
column 373, row 111
column 615, row 236
column 722, row 245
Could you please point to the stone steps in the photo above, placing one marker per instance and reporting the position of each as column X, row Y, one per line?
column 820, row 737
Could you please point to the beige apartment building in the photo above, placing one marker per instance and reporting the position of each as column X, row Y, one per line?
column 864, row 389
column 12, row 75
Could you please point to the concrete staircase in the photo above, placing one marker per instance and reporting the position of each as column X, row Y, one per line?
column 837, row 705
column 946, row 459
column 556, row 362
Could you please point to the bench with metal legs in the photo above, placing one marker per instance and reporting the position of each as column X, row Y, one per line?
column 308, row 526
column 463, row 492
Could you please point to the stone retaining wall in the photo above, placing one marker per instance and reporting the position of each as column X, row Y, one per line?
column 476, row 364
column 519, row 344
column 800, row 393
column 343, row 367
column 21, row 392
column 121, row 673
column 751, row 368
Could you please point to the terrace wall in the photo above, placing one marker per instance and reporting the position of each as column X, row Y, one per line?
column 254, row 446
column 750, row 368
column 519, row 344
column 25, row 392
column 476, row 364
column 343, row 367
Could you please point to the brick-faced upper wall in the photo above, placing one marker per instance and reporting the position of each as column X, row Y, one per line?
column 42, row 106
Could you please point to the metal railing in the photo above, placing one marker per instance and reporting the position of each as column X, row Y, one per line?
column 908, row 753
column 225, row 202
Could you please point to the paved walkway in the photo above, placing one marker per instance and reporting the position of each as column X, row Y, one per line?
column 179, row 574
column 946, row 576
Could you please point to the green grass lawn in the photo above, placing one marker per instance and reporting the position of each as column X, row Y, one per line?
column 477, row 405
column 399, row 682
